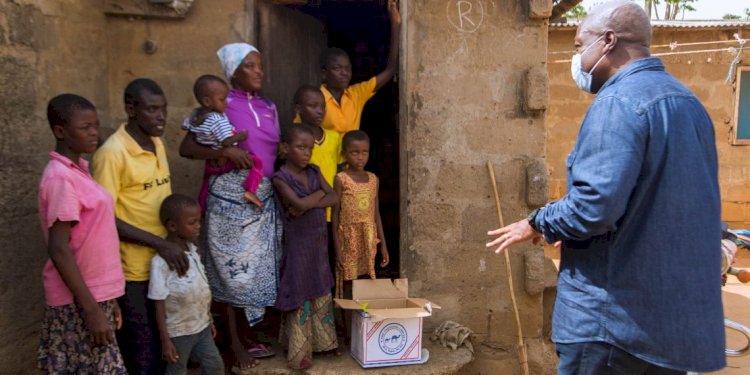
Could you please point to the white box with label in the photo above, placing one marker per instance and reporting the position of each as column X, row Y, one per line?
column 386, row 324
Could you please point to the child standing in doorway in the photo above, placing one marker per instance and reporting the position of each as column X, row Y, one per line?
column 305, row 278
column 310, row 108
column 83, row 276
column 344, row 103
column 212, row 128
column 182, row 303
column 356, row 218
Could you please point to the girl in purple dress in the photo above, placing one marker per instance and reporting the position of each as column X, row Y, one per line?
column 305, row 285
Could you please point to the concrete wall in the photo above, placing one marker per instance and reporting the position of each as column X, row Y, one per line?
column 464, row 89
column 186, row 49
column 703, row 73
column 46, row 48
column 51, row 47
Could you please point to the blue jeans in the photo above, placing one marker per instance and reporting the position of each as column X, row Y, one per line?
column 595, row 358
column 202, row 347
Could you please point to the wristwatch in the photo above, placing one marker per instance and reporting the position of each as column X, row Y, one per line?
column 532, row 219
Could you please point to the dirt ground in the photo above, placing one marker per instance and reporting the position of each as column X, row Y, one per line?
column 737, row 307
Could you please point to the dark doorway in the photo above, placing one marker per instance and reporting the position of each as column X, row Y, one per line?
column 362, row 29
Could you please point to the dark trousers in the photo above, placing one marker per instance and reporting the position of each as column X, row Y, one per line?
column 139, row 336
column 595, row 358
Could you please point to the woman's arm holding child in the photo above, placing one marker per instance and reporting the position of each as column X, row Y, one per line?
column 335, row 221
column 168, row 350
column 381, row 235
column 96, row 320
column 191, row 149
column 299, row 205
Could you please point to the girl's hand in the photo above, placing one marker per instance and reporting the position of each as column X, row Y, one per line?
column 213, row 330
column 168, row 351
column 98, row 325
column 117, row 314
column 385, row 256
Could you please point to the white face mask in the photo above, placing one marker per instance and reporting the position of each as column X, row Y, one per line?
column 583, row 79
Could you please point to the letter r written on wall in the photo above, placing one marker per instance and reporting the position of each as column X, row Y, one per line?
column 465, row 15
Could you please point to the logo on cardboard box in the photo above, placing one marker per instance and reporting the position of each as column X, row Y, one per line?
column 392, row 339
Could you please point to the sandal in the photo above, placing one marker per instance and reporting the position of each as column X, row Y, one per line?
column 261, row 351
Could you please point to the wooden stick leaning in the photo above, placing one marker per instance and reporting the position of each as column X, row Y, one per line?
column 522, row 356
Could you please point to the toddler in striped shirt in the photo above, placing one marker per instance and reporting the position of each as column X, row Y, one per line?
column 211, row 127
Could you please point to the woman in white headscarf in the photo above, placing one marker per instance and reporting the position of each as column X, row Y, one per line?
column 243, row 241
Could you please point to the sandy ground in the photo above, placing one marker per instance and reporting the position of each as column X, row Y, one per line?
column 737, row 307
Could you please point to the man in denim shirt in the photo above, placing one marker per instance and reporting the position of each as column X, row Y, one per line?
column 639, row 284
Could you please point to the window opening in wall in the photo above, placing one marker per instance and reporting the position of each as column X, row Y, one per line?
column 362, row 29
column 742, row 108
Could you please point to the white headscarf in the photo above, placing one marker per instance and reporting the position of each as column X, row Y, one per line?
column 232, row 55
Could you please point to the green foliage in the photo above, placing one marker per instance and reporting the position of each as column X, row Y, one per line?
column 729, row 16
column 577, row 12
column 672, row 8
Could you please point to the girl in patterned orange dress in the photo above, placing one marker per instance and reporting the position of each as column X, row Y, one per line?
column 356, row 218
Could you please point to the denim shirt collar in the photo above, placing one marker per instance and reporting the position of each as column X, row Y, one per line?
column 646, row 63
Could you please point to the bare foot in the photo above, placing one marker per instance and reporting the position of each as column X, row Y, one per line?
column 242, row 358
column 252, row 198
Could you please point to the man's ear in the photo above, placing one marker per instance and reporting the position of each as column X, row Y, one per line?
column 130, row 110
column 58, row 131
column 610, row 40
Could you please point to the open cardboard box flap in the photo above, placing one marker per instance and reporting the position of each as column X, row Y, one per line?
column 386, row 299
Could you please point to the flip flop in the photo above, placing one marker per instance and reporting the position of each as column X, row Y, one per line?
column 261, row 351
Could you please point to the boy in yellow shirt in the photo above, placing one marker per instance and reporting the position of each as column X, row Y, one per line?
column 132, row 166
column 344, row 103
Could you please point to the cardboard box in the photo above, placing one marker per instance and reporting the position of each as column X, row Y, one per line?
column 386, row 324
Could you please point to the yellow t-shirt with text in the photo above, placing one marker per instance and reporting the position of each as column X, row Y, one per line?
column 139, row 181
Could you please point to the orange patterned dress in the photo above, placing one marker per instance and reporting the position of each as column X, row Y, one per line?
column 357, row 229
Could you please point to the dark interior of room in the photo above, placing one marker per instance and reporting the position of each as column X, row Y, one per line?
column 362, row 29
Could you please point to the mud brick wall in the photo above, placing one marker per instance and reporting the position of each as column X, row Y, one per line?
column 474, row 89
column 703, row 73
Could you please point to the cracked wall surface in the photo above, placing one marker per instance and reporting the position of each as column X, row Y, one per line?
column 475, row 90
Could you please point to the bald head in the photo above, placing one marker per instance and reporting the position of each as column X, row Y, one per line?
column 625, row 18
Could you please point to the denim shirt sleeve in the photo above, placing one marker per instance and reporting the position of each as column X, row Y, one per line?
column 602, row 172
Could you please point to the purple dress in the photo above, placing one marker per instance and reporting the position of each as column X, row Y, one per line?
column 305, row 273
